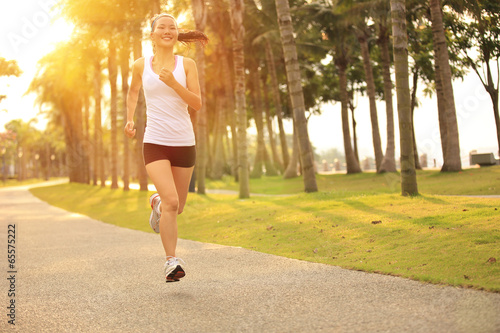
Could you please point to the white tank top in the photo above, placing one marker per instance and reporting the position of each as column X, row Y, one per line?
column 168, row 121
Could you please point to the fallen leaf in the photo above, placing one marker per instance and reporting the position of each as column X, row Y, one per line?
column 431, row 227
column 464, row 210
column 315, row 250
column 492, row 260
column 269, row 228
column 466, row 277
column 376, row 222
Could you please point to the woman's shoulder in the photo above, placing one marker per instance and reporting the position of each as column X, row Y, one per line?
column 139, row 61
column 188, row 63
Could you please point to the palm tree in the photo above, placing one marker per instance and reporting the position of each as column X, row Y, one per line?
column 296, row 94
column 452, row 161
column 124, row 61
column 238, row 35
column 479, row 34
column 337, row 36
column 277, row 164
column 62, row 83
column 200, row 18
column 270, row 60
column 400, row 46
column 113, row 73
column 381, row 19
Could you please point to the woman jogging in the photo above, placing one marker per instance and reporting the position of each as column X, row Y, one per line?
column 170, row 85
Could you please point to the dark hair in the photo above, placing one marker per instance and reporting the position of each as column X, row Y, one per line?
column 185, row 37
column 193, row 36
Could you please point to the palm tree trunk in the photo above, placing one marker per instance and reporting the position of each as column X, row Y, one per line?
column 413, row 103
column 370, row 84
column 389, row 161
column 238, row 36
column 259, row 123
column 354, row 132
column 218, row 134
column 296, row 94
column 140, row 116
column 453, row 161
column 277, row 102
column 231, row 116
column 113, row 73
column 98, row 149
column 86, row 139
column 200, row 19
column 352, row 163
column 291, row 169
column 400, row 46
column 278, row 165
column 124, row 71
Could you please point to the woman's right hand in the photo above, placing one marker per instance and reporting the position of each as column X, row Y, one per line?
column 129, row 129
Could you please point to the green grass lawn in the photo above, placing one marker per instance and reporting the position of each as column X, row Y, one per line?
column 356, row 221
column 480, row 181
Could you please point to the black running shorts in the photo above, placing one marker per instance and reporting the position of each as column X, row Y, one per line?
column 183, row 157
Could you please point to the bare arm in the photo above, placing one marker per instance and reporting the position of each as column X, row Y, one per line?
column 191, row 94
column 132, row 96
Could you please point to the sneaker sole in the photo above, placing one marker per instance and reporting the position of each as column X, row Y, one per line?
column 177, row 274
column 152, row 224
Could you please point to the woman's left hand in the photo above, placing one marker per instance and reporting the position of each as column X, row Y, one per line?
column 167, row 77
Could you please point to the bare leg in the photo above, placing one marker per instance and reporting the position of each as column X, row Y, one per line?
column 182, row 178
column 172, row 184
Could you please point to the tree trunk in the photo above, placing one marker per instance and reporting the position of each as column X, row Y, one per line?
column 497, row 117
column 124, row 71
column 219, row 129
column 370, row 85
column 413, row 103
column 259, row 123
column 140, row 116
column 389, row 161
column 98, row 149
column 86, row 139
column 352, row 164
column 400, row 46
column 277, row 101
column 296, row 94
column 200, row 19
column 113, row 73
column 231, row 109
column 291, row 169
column 354, row 133
column 238, row 36
column 278, row 165
column 453, row 161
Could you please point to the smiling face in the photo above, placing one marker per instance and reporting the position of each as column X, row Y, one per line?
column 165, row 31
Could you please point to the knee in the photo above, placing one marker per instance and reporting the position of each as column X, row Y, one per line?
column 169, row 204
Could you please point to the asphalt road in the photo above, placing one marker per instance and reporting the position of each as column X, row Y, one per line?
column 76, row 274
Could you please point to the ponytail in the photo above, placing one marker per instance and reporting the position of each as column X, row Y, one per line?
column 193, row 36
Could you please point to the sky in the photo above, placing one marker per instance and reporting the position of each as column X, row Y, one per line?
column 30, row 29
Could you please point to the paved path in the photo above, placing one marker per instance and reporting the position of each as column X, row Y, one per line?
column 75, row 274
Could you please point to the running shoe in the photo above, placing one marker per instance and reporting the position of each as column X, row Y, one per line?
column 154, row 218
column 173, row 269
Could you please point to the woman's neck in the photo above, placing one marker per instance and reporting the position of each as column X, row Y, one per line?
column 164, row 56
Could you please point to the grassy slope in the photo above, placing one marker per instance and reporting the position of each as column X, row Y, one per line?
column 435, row 238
